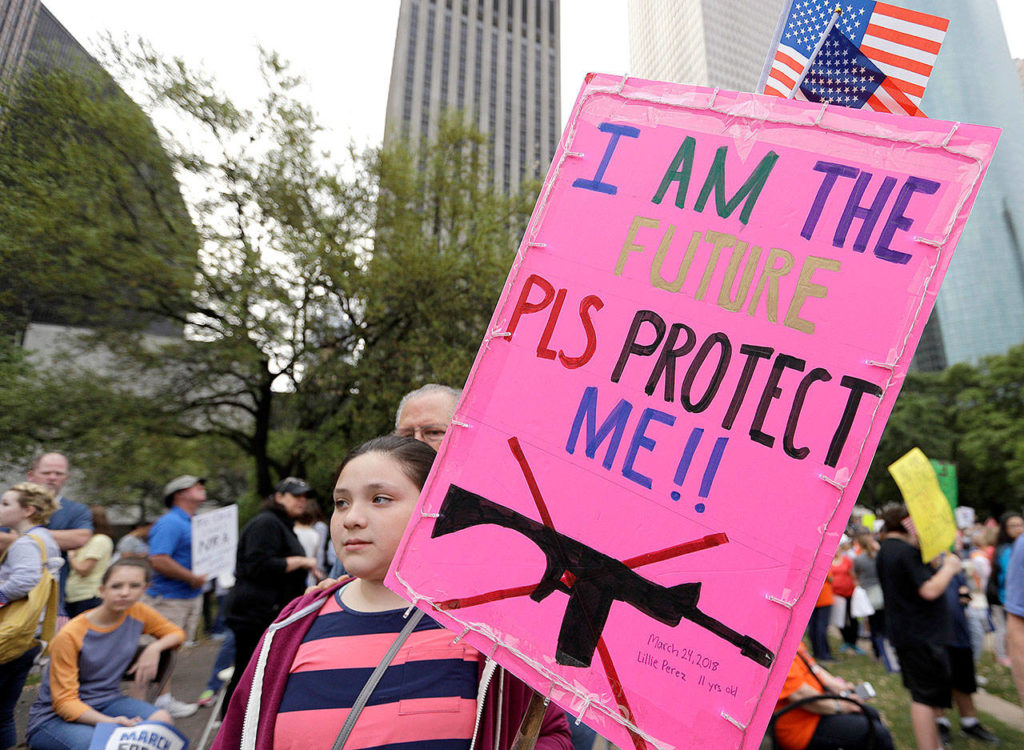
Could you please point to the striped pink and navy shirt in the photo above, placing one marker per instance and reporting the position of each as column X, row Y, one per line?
column 425, row 700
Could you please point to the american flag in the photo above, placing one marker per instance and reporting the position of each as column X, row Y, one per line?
column 840, row 74
column 901, row 43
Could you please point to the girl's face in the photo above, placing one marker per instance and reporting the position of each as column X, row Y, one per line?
column 124, row 587
column 373, row 501
column 12, row 513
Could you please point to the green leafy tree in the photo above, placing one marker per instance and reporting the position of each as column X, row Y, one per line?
column 93, row 229
column 318, row 294
column 970, row 415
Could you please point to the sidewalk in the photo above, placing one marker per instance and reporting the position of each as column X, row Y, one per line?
column 189, row 680
column 1008, row 713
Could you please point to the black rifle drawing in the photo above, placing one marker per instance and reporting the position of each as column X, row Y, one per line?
column 591, row 579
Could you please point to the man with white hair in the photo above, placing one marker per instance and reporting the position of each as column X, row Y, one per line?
column 426, row 412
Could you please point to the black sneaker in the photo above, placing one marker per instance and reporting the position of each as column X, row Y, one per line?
column 945, row 734
column 978, row 732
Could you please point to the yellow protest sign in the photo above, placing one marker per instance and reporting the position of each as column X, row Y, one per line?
column 936, row 528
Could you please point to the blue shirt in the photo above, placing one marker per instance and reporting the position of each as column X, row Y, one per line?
column 70, row 515
column 1014, row 599
column 172, row 535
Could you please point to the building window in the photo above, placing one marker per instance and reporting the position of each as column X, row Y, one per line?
column 410, row 68
column 446, row 57
column 460, row 101
column 428, row 72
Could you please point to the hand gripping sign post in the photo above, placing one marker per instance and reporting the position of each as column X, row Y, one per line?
column 678, row 398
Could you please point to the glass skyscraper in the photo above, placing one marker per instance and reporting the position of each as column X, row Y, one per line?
column 980, row 308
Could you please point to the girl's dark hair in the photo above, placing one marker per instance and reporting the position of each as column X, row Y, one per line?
column 415, row 457
column 1004, row 535
column 100, row 524
column 312, row 514
column 128, row 562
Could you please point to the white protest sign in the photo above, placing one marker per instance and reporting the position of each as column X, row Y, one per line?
column 148, row 735
column 215, row 541
column 965, row 516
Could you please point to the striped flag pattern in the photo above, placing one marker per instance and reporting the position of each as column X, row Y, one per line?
column 902, row 43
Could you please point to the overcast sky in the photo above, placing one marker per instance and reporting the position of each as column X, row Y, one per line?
column 343, row 48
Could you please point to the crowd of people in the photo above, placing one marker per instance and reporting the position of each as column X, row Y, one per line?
column 306, row 618
column 926, row 620
column 145, row 588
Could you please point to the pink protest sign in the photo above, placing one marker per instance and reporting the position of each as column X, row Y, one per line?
column 682, row 386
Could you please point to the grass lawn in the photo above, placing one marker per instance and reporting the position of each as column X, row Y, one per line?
column 893, row 700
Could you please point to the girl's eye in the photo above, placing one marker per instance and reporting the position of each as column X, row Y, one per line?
column 381, row 499
column 340, row 504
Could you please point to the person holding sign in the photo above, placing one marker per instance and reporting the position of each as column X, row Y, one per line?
column 81, row 687
column 313, row 663
column 918, row 621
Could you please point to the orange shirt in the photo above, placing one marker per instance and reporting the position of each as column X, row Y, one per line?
column 795, row 729
column 825, row 597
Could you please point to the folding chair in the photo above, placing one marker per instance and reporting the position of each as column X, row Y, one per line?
column 771, row 743
column 163, row 673
column 213, row 723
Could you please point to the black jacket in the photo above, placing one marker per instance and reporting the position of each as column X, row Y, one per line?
column 262, row 587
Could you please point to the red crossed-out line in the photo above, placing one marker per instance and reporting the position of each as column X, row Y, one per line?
column 711, row 540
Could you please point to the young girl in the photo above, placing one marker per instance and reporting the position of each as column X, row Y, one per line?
column 314, row 661
column 24, row 509
column 82, row 685
column 87, row 564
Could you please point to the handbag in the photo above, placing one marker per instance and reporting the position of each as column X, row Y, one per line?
column 875, row 596
column 19, row 620
column 860, row 605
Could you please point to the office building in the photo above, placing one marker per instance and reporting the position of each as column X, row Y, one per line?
column 31, row 36
column 497, row 61
column 719, row 43
column 980, row 308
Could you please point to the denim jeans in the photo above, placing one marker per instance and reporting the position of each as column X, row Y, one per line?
column 57, row 734
column 12, row 680
column 225, row 658
column 818, row 633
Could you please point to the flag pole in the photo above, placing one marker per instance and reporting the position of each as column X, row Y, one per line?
column 817, row 48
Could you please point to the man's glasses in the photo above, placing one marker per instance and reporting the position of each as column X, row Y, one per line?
column 431, row 434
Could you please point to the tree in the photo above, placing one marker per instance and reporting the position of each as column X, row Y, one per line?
column 321, row 292
column 970, row 415
column 93, row 229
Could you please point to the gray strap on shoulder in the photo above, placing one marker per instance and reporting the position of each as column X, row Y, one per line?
column 374, row 678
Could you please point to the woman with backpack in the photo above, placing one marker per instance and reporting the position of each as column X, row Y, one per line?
column 25, row 510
